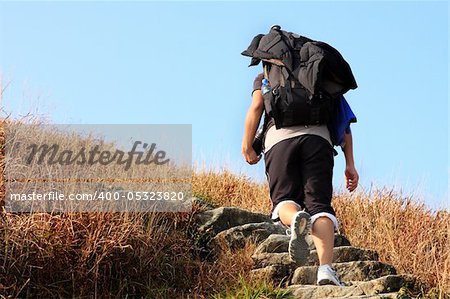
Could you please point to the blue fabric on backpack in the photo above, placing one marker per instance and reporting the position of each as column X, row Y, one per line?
column 341, row 121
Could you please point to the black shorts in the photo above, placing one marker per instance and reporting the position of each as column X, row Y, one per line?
column 301, row 169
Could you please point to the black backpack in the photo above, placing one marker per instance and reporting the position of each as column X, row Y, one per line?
column 290, row 60
column 288, row 103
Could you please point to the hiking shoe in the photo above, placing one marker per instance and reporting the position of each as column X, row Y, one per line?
column 326, row 275
column 298, row 247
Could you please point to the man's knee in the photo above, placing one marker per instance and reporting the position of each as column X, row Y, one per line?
column 325, row 216
column 282, row 208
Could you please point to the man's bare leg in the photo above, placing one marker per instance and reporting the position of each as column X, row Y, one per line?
column 323, row 237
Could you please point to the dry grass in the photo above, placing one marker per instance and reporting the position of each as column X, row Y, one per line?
column 114, row 254
column 84, row 254
column 155, row 255
column 403, row 231
column 228, row 189
column 111, row 254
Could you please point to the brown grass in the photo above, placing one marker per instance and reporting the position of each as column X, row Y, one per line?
column 103, row 254
column 228, row 189
column 403, row 231
column 111, row 254
column 156, row 255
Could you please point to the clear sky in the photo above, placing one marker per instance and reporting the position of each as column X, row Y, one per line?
column 180, row 62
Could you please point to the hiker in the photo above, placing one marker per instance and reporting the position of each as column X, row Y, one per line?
column 299, row 162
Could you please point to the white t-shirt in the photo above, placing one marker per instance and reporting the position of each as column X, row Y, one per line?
column 273, row 135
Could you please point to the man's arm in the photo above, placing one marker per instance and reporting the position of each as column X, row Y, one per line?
column 351, row 175
column 250, row 126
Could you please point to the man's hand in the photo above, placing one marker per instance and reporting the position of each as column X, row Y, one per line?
column 250, row 156
column 351, row 175
column 351, row 178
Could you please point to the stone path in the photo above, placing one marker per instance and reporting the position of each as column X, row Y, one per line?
column 360, row 270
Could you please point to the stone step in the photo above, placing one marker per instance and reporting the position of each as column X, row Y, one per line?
column 379, row 296
column 339, row 241
column 287, row 272
column 263, row 260
column 368, row 289
column 280, row 243
column 279, row 275
column 350, row 271
column 274, row 244
column 216, row 220
column 340, row 255
column 237, row 236
column 345, row 254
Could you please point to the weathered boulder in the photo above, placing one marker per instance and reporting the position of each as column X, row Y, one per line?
column 340, row 255
column 237, row 236
column 263, row 260
column 279, row 275
column 345, row 254
column 216, row 220
column 339, row 240
column 382, row 287
column 327, row 291
column 350, row 271
column 280, row 243
column 274, row 244
column 387, row 283
column 380, row 296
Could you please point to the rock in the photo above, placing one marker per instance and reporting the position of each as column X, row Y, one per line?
column 280, row 243
column 350, row 271
column 380, row 296
column 237, row 236
column 217, row 220
column 345, row 254
column 279, row 275
column 279, row 266
column 263, row 260
column 339, row 240
column 327, row 291
column 340, row 255
column 274, row 244
column 387, row 283
column 367, row 289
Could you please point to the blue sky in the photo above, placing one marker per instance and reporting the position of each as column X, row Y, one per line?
column 180, row 62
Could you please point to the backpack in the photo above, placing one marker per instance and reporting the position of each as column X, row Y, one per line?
column 288, row 103
column 305, row 77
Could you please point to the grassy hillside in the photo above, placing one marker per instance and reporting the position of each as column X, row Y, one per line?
column 404, row 232
column 157, row 255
